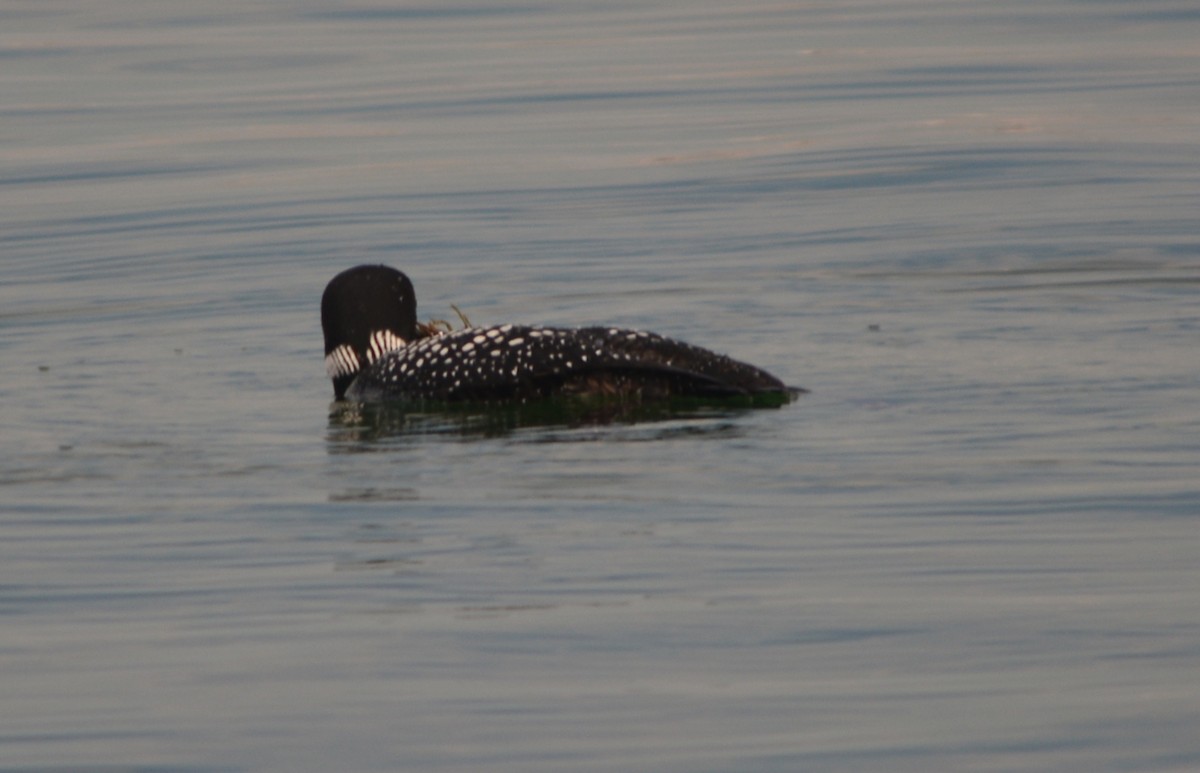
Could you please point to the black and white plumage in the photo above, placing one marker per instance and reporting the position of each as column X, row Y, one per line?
column 375, row 351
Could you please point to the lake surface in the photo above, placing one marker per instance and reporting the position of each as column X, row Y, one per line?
column 969, row 229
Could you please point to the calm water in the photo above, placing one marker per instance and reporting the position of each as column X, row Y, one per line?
column 969, row 229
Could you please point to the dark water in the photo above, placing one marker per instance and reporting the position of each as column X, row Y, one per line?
column 970, row 230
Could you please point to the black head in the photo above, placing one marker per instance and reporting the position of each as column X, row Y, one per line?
column 366, row 311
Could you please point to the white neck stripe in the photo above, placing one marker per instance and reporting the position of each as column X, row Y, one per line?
column 382, row 342
column 341, row 361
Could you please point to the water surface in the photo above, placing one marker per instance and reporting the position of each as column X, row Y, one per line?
column 969, row 230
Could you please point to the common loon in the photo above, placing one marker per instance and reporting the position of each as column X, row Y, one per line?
column 376, row 351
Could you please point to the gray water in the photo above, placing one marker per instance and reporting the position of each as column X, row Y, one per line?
column 970, row 229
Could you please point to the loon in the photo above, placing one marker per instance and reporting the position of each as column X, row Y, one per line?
column 376, row 351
